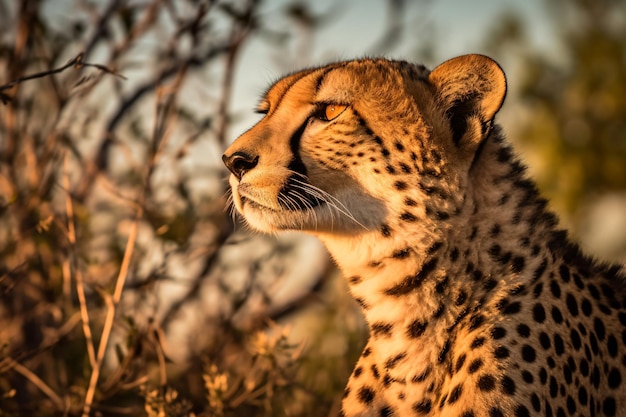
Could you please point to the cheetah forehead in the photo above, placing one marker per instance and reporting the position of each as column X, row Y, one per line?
column 377, row 79
column 347, row 82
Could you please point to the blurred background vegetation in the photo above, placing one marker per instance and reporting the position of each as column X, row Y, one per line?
column 127, row 288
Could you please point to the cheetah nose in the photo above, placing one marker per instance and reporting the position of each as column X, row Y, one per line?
column 239, row 163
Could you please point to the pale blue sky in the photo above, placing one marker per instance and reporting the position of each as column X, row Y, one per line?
column 457, row 27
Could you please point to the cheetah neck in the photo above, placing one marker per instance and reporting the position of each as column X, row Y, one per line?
column 417, row 287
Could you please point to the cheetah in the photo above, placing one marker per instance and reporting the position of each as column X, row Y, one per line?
column 478, row 305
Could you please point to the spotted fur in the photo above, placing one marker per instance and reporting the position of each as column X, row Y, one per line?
column 478, row 305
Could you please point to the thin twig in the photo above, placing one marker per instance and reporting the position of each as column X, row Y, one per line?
column 159, row 347
column 76, row 62
column 111, row 303
column 8, row 363
column 80, row 288
column 166, row 96
column 237, row 36
column 101, row 26
column 39, row 383
column 100, row 162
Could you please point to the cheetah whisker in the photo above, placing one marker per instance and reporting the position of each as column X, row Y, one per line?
column 331, row 201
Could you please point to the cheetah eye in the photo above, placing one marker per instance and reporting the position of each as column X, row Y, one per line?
column 331, row 111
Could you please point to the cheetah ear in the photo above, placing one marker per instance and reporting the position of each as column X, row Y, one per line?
column 471, row 89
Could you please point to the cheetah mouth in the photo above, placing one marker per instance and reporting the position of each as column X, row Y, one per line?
column 253, row 204
column 285, row 215
column 295, row 195
column 298, row 195
column 287, row 204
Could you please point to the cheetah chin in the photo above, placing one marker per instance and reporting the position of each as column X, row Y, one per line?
column 477, row 304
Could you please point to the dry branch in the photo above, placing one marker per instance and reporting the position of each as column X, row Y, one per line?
column 80, row 288
column 111, row 303
column 39, row 383
column 76, row 62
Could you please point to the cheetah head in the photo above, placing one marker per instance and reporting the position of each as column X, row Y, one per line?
column 343, row 147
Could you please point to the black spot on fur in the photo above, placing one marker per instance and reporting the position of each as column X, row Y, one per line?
column 459, row 362
column 540, row 270
column 528, row 353
column 423, row 407
column 498, row 332
column 440, row 310
column 476, row 321
column 593, row 290
column 564, row 273
column 386, row 411
column 489, row 284
column 523, row 330
column 513, row 308
column 575, row 339
column 401, row 253
column 461, row 298
column 559, row 347
column 495, row 412
column 381, row 329
column 434, row 247
column 612, row 346
column 400, row 185
column 501, row 352
column 455, row 394
column 393, row 361
column 521, row 411
column 599, row 328
column 475, row 365
column 556, row 315
column 355, row 279
column 572, row 306
column 366, row 395
column 412, row 282
column 416, row 329
column 441, row 285
column 421, row 377
column 555, row 289
column 360, row 301
column 528, row 377
column 443, row 353
column 614, row 378
column 408, row 217
column 508, row 385
column 375, row 372
column 518, row 264
column 609, row 407
column 539, row 314
column 486, row 383
column 478, row 342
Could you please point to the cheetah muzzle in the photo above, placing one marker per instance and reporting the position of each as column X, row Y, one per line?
column 478, row 305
